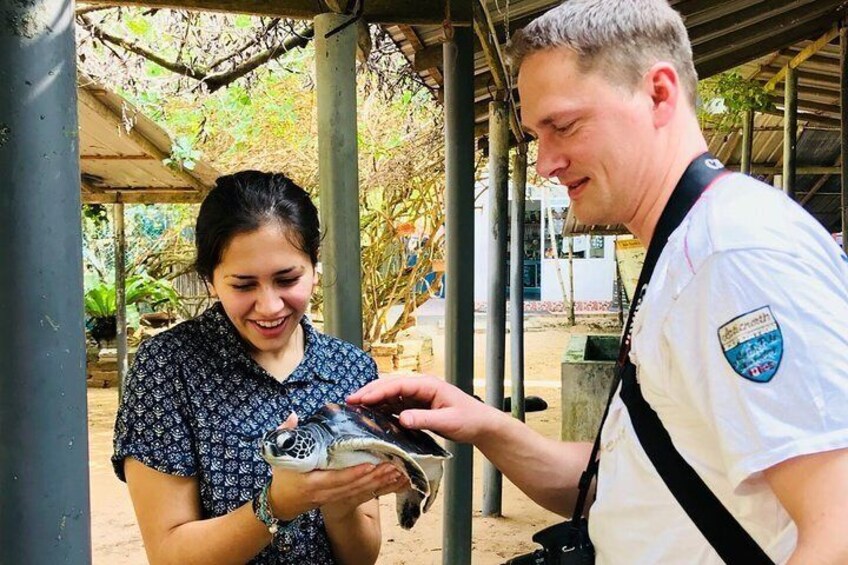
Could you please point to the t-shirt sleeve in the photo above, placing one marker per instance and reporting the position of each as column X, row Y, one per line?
column 773, row 340
column 151, row 425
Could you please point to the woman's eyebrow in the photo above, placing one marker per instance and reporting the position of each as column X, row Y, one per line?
column 278, row 273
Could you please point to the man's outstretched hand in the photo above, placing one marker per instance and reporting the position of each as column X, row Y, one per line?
column 429, row 403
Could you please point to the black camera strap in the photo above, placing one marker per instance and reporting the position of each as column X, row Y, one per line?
column 716, row 523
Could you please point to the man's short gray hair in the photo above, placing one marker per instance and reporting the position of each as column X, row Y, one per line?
column 621, row 38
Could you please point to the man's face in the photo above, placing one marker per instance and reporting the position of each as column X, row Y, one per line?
column 593, row 136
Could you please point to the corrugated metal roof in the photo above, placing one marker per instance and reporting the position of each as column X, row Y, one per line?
column 121, row 151
column 763, row 34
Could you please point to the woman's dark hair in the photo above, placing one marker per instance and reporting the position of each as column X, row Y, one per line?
column 246, row 201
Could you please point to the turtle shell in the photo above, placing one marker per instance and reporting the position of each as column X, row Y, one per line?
column 346, row 435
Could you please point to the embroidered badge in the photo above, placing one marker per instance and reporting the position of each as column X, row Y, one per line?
column 753, row 344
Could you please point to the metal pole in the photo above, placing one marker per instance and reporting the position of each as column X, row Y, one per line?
column 747, row 141
column 496, row 308
column 843, row 113
column 790, row 131
column 44, row 491
column 459, row 308
column 516, row 286
column 120, row 293
column 338, row 177
column 571, row 320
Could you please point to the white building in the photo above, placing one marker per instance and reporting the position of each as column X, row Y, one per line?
column 594, row 259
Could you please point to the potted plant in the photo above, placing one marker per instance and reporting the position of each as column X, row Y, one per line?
column 101, row 303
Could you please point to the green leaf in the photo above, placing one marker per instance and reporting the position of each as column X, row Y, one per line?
column 243, row 21
column 139, row 26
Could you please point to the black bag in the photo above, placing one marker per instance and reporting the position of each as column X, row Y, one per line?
column 568, row 543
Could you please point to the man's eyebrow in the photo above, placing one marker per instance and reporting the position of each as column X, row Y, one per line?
column 557, row 116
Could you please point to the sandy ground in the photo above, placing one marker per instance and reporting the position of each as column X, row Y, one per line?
column 116, row 539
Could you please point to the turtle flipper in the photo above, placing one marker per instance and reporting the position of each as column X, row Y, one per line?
column 408, row 504
column 433, row 469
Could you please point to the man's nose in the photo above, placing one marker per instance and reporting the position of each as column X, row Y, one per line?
column 551, row 160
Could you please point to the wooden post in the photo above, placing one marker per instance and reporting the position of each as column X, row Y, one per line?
column 120, row 293
column 843, row 113
column 747, row 141
column 790, row 131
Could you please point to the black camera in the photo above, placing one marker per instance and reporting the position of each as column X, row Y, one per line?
column 567, row 543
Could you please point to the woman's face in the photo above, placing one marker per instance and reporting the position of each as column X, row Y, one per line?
column 264, row 284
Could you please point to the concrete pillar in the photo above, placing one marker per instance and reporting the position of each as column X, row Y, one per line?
column 459, row 307
column 44, row 489
column 496, row 306
column 338, row 177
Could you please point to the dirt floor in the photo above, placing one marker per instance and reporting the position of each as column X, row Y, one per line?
column 116, row 539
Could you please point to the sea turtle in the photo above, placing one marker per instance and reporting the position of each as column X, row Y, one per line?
column 340, row 435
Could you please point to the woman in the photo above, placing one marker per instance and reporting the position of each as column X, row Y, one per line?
column 200, row 395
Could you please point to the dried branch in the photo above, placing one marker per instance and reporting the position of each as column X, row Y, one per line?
column 134, row 47
column 219, row 80
column 213, row 81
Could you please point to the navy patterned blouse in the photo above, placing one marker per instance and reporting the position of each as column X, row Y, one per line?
column 196, row 403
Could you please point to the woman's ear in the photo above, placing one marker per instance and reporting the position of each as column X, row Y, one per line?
column 210, row 288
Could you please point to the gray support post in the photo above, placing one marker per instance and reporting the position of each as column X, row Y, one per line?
column 790, row 131
column 496, row 307
column 843, row 134
column 747, row 141
column 571, row 319
column 459, row 303
column 516, row 285
column 338, row 177
column 120, row 292
column 44, row 489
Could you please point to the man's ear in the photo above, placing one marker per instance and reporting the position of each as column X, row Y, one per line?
column 663, row 85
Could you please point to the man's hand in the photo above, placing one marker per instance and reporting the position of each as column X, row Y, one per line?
column 430, row 403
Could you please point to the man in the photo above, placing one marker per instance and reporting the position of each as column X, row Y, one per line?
column 741, row 339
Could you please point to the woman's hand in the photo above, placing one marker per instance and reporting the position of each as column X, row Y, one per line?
column 337, row 492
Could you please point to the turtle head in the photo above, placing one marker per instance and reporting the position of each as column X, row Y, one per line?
column 297, row 449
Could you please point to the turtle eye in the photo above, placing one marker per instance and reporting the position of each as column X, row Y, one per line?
column 288, row 443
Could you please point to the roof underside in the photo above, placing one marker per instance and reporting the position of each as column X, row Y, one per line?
column 122, row 153
column 762, row 35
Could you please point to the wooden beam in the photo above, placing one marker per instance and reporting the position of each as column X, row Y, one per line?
column 808, row 52
column 414, row 12
column 116, row 158
column 819, row 183
column 809, row 79
column 729, row 51
column 817, row 108
column 486, row 33
column 418, row 46
column 144, row 144
column 830, row 123
column 741, row 18
column 148, row 196
column 772, row 169
column 790, row 132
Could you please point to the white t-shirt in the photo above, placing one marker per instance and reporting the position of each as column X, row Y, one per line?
column 741, row 347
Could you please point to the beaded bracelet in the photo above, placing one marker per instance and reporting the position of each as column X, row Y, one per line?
column 262, row 510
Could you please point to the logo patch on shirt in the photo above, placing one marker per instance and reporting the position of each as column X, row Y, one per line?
column 753, row 344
